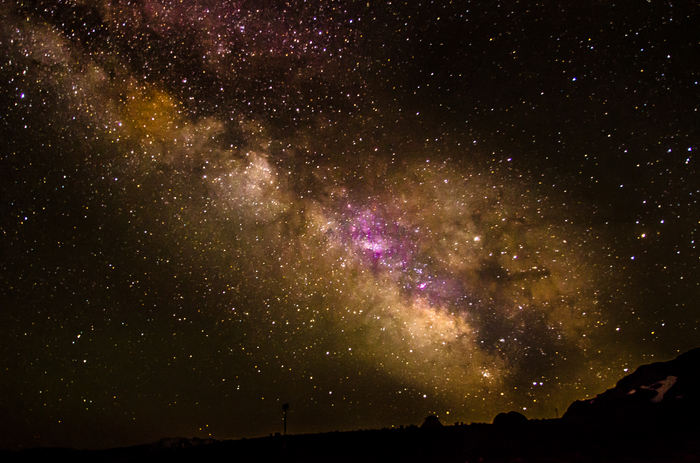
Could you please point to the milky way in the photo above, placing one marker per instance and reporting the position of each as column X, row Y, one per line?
column 214, row 208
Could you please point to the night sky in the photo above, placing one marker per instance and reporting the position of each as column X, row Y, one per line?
column 370, row 211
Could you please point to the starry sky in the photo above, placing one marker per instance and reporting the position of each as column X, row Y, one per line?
column 372, row 211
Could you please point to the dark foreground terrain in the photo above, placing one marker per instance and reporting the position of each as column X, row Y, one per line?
column 651, row 415
column 533, row 441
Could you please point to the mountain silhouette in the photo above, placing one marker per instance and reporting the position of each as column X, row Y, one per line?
column 658, row 391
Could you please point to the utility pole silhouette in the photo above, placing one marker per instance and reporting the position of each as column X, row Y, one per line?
column 285, row 407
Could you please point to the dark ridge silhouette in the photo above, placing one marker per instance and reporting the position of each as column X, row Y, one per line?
column 178, row 443
column 649, row 416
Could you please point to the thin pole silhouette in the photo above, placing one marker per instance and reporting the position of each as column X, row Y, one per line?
column 285, row 407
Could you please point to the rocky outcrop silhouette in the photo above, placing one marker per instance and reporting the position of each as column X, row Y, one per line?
column 431, row 421
column 658, row 391
column 510, row 420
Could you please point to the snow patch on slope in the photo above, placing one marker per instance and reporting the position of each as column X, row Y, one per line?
column 661, row 388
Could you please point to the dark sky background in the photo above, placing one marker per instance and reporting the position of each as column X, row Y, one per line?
column 370, row 211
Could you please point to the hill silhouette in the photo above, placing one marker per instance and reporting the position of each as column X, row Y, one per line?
column 649, row 416
column 661, row 391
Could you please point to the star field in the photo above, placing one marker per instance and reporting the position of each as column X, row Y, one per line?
column 370, row 212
